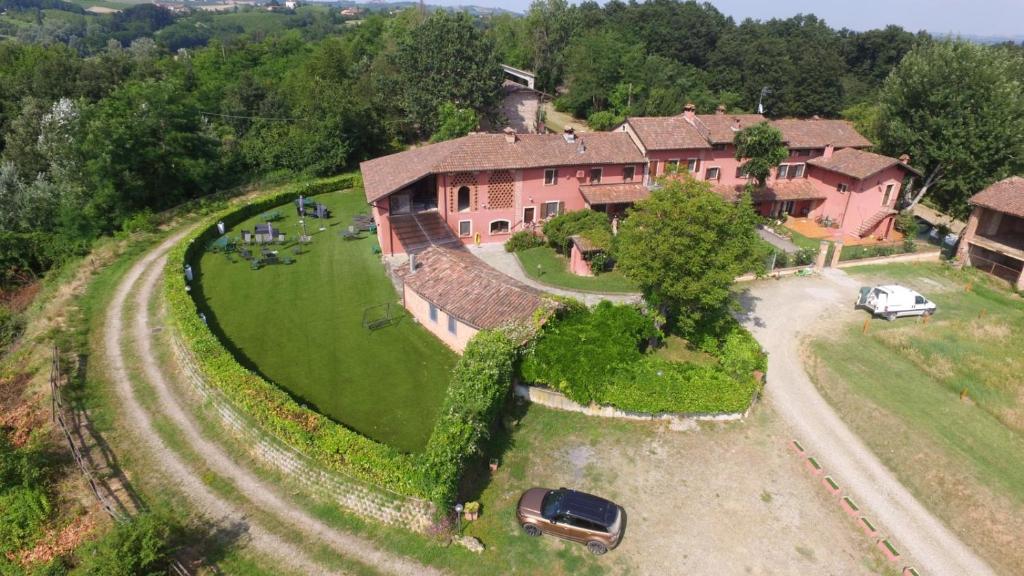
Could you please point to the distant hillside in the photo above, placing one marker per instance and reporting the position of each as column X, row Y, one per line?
column 382, row 5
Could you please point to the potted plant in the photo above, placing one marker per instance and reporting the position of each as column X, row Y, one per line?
column 472, row 511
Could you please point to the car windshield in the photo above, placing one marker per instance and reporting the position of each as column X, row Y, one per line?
column 550, row 505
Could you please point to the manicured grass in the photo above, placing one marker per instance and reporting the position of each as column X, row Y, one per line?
column 900, row 385
column 545, row 265
column 676, row 349
column 301, row 326
column 804, row 242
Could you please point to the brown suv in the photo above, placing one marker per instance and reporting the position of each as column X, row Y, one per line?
column 572, row 515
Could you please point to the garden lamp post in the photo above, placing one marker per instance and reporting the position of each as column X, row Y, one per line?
column 458, row 518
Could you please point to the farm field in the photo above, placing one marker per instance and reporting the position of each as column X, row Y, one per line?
column 301, row 326
column 941, row 403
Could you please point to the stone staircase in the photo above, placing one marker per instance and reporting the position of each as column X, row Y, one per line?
column 868, row 225
column 417, row 232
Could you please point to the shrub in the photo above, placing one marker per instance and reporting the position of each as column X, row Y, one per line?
column 907, row 224
column 805, row 257
column 598, row 262
column 11, row 326
column 654, row 385
column 523, row 240
column 604, row 120
column 561, row 227
column 139, row 547
column 25, row 509
column 480, row 384
column 576, row 352
column 741, row 354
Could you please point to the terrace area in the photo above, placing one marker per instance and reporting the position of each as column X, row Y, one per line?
column 808, row 228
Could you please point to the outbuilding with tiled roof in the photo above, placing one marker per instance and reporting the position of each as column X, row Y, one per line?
column 855, row 163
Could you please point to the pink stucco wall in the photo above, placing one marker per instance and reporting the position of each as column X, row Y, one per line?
column 420, row 309
column 530, row 191
column 862, row 200
column 577, row 264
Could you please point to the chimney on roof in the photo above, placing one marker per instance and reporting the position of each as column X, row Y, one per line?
column 720, row 109
column 690, row 112
column 412, row 263
column 510, row 135
column 581, row 147
column 829, row 149
column 736, row 125
column 569, row 134
column 905, row 159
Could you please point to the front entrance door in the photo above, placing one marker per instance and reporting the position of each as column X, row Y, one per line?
column 529, row 214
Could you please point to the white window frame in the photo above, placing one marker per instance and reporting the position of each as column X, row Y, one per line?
column 782, row 172
column 600, row 175
column 672, row 163
column 453, row 325
column 554, row 176
column 887, row 195
column 547, row 210
column 693, row 165
column 531, row 207
column 718, row 173
column 632, row 176
column 490, row 227
column 720, row 146
column 799, row 170
column 468, row 234
column 842, row 188
column 432, row 312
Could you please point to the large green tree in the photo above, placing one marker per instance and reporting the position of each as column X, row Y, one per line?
column 684, row 245
column 446, row 59
column 762, row 148
column 957, row 109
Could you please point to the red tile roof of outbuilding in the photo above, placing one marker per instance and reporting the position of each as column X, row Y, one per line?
column 818, row 133
column 1006, row 196
column 856, row 163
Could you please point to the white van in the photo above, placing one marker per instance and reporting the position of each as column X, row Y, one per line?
column 893, row 301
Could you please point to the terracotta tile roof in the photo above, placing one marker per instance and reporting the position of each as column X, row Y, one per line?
column 614, row 193
column 584, row 244
column 1006, row 196
column 798, row 189
column 667, row 133
column 720, row 126
column 464, row 286
column 817, row 133
column 856, row 163
column 387, row 174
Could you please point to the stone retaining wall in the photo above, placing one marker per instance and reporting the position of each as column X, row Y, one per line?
column 558, row 401
column 354, row 495
column 928, row 256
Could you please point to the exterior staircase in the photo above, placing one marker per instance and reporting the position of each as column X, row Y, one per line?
column 417, row 232
column 868, row 225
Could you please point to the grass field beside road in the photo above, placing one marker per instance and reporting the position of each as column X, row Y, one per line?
column 301, row 325
column 899, row 386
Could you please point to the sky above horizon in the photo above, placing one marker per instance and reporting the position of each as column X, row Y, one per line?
column 966, row 17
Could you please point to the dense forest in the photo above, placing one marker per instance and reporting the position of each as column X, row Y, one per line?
column 105, row 119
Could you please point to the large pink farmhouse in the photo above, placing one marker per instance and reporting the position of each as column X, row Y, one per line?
column 481, row 188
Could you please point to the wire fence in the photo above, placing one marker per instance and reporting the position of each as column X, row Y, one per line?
column 995, row 268
column 68, row 419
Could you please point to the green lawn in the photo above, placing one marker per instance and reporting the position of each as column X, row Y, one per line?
column 899, row 385
column 545, row 265
column 300, row 325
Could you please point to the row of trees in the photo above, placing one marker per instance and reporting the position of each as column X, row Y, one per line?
column 89, row 142
column 648, row 58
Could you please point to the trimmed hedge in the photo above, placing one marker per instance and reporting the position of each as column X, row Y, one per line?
column 598, row 356
column 480, row 384
column 523, row 240
column 328, row 443
column 654, row 385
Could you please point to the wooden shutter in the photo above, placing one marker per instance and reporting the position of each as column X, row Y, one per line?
column 561, row 208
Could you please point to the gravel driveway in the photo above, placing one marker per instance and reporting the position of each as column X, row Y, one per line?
column 780, row 313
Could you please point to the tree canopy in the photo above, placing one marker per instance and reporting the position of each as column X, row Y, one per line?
column 684, row 245
column 762, row 148
column 957, row 109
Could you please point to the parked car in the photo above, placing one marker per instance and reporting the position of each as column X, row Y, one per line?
column 892, row 301
column 572, row 515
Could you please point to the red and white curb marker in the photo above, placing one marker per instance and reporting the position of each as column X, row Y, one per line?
column 850, row 507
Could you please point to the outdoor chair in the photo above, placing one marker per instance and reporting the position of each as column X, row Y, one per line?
column 287, row 260
column 246, row 254
column 348, row 234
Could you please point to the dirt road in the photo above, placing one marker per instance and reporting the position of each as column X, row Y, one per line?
column 779, row 314
column 142, row 280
